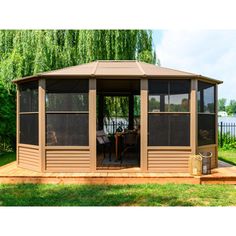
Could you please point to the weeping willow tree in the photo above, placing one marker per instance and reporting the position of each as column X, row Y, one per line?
column 27, row 52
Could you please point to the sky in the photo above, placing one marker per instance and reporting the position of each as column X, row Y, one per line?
column 211, row 53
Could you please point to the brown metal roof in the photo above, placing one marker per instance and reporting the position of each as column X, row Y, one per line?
column 122, row 68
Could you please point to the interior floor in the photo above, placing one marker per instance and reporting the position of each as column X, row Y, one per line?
column 130, row 160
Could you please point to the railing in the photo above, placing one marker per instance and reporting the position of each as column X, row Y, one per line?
column 110, row 127
column 226, row 133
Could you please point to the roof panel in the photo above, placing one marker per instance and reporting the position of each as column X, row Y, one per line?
column 152, row 70
column 117, row 68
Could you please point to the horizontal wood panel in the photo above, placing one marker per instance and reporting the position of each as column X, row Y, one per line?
column 24, row 159
column 32, row 156
column 160, row 160
column 70, row 160
column 28, row 157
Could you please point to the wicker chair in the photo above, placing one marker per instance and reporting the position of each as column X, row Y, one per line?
column 105, row 142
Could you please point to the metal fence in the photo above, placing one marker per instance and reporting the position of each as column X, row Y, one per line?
column 110, row 126
column 226, row 133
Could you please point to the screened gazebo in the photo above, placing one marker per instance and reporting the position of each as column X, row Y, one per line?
column 60, row 112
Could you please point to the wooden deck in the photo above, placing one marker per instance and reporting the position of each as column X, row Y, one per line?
column 12, row 174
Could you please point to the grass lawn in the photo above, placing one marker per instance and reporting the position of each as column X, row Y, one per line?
column 7, row 157
column 117, row 195
column 228, row 156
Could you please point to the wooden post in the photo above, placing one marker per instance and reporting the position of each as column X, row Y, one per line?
column 131, row 112
column 92, row 124
column 193, row 117
column 216, row 125
column 41, row 119
column 17, row 121
column 143, row 124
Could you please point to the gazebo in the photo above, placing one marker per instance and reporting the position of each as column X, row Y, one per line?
column 59, row 113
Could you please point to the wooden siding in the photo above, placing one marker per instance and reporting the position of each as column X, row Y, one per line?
column 168, row 160
column 28, row 157
column 68, row 160
column 210, row 148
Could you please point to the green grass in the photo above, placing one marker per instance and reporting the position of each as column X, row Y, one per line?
column 228, row 156
column 117, row 195
column 7, row 157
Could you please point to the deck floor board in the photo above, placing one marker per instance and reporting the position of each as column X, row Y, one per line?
column 11, row 173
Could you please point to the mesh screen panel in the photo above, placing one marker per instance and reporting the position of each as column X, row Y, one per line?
column 67, row 102
column 158, row 86
column 169, row 95
column 158, row 129
column 179, row 95
column 29, row 129
column 67, row 86
column 169, row 130
column 206, row 97
column 179, row 129
column 206, row 129
column 67, row 129
column 29, row 97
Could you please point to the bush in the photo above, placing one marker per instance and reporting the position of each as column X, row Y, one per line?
column 7, row 119
column 229, row 142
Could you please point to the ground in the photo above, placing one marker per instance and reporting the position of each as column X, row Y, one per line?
column 117, row 195
column 6, row 158
column 228, row 156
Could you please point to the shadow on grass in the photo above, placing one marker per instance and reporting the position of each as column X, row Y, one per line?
column 85, row 195
column 6, row 158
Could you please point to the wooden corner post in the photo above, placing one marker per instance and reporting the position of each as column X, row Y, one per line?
column 144, row 124
column 92, row 124
column 17, row 122
column 193, row 117
column 41, row 120
column 216, row 125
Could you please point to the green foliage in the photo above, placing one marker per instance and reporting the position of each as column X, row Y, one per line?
column 222, row 104
column 231, row 108
column 7, row 119
column 229, row 143
column 27, row 52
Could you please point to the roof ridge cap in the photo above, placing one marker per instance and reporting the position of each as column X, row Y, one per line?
column 95, row 68
column 140, row 68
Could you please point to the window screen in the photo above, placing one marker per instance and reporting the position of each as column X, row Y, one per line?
column 28, row 103
column 67, row 112
column 206, row 129
column 206, row 97
column 67, row 102
column 179, row 95
column 169, row 95
column 29, row 129
column 169, row 130
column 67, row 129
column 158, row 95
column 206, row 113
column 169, row 117
column 29, row 97
column 67, row 86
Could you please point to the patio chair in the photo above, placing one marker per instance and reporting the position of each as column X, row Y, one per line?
column 105, row 142
column 130, row 141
